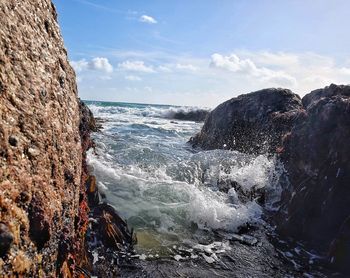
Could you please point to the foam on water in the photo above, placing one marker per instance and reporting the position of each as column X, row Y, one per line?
column 107, row 110
column 160, row 185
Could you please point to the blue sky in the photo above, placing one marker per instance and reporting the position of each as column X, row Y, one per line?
column 203, row 52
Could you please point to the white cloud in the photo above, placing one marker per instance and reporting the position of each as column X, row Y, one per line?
column 247, row 67
column 137, row 66
column 80, row 65
column 98, row 63
column 186, row 67
column 101, row 64
column 132, row 78
column 229, row 75
column 147, row 19
column 164, row 69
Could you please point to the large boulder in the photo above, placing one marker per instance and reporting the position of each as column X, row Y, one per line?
column 317, row 158
column 312, row 140
column 252, row 123
column 43, row 211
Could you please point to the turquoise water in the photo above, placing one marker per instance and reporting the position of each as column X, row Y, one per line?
column 168, row 192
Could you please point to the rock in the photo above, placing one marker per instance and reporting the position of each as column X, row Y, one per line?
column 112, row 229
column 87, row 122
column 339, row 251
column 208, row 259
column 253, row 123
column 198, row 115
column 6, row 239
column 245, row 239
column 42, row 181
column 331, row 91
column 317, row 158
column 178, row 258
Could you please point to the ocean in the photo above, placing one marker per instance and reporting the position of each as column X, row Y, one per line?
column 168, row 192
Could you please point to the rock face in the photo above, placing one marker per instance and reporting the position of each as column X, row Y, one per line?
column 252, row 123
column 312, row 140
column 317, row 159
column 43, row 211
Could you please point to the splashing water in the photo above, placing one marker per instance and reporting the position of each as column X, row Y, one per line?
column 169, row 193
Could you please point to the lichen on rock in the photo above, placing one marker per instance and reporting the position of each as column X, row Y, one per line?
column 41, row 192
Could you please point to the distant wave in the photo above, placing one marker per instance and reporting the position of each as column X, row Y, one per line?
column 156, row 111
column 187, row 114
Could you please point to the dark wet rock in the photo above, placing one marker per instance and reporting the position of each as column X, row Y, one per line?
column 239, row 194
column 113, row 230
column 253, row 123
column 331, row 91
column 317, row 158
column 193, row 115
column 245, row 239
column 6, row 239
column 99, row 123
column 312, row 141
column 109, row 242
column 87, row 125
column 339, row 251
column 242, row 260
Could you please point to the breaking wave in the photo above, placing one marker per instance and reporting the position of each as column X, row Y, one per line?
column 109, row 110
column 160, row 185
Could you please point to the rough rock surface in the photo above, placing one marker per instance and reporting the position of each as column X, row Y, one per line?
column 317, row 159
column 252, row 123
column 312, row 140
column 43, row 209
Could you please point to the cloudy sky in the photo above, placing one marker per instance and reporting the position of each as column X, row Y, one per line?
column 202, row 52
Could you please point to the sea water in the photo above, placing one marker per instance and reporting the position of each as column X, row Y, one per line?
column 168, row 192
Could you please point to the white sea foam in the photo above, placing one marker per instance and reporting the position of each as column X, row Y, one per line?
column 196, row 203
column 146, row 170
column 167, row 112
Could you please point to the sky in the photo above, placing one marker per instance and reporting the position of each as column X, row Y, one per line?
column 203, row 52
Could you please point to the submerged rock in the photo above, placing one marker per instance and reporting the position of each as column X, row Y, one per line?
column 252, row 123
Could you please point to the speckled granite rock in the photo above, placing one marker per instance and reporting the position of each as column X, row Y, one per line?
column 43, row 211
